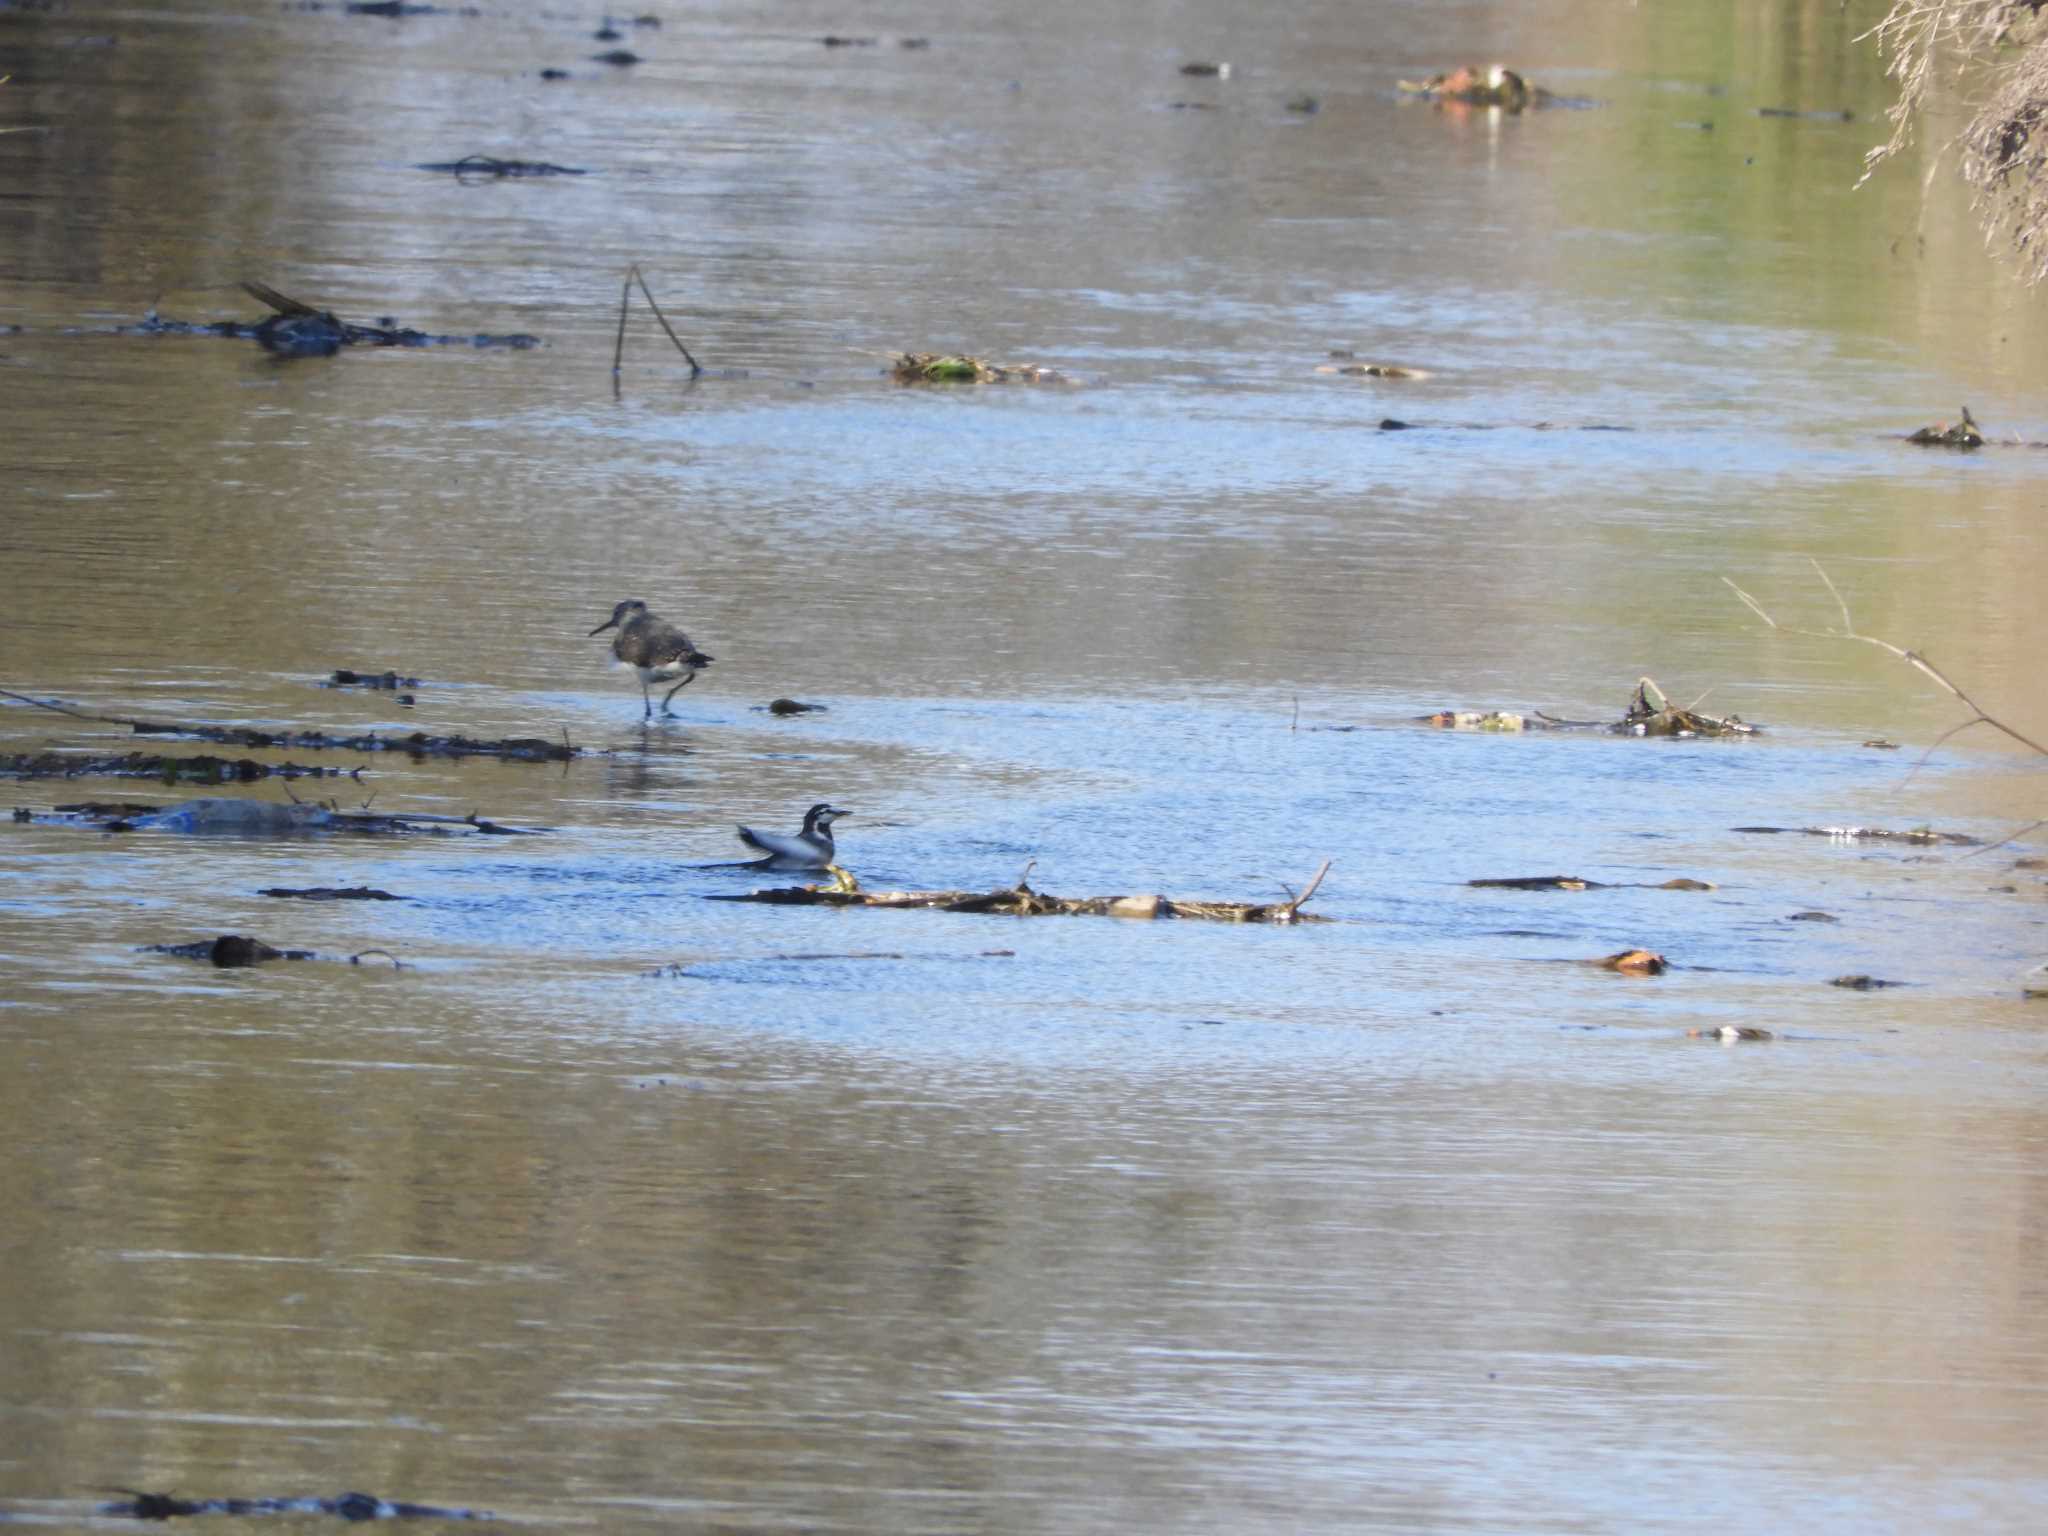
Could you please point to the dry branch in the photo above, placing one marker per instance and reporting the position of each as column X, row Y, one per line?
column 1919, row 662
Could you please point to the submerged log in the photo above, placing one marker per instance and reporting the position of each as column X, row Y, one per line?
column 331, row 893
column 349, row 1506
column 1580, row 883
column 418, row 744
column 491, row 166
column 1635, row 962
column 388, row 681
column 203, row 769
column 1021, row 900
column 227, row 816
column 230, row 951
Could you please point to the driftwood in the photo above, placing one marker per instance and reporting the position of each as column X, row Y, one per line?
column 525, row 749
column 1021, row 900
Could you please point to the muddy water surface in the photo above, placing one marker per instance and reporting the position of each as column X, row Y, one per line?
column 864, row 1220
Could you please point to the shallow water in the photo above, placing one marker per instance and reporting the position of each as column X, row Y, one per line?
column 920, row 1222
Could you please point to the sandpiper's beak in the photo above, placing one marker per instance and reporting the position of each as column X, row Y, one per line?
column 607, row 624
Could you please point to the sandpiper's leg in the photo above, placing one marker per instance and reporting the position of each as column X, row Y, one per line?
column 646, row 703
column 688, row 678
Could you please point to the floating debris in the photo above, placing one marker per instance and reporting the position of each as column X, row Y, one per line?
column 958, row 368
column 618, row 58
column 349, row 1506
column 1919, row 835
column 1495, row 86
column 1306, row 106
column 1476, row 720
column 1864, row 983
column 1200, row 68
column 1962, row 434
column 1021, row 900
column 1374, row 370
column 1728, row 1034
column 1878, row 743
column 1824, row 115
column 1644, row 718
column 1663, row 718
column 833, row 40
column 1812, row 917
column 791, row 707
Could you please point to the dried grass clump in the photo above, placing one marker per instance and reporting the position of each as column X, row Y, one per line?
column 2002, row 44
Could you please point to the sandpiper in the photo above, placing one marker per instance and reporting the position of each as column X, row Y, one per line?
column 654, row 648
column 809, row 849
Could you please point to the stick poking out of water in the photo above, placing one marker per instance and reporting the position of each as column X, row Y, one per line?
column 619, row 347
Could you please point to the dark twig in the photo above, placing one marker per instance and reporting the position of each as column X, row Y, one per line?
column 62, row 709
column 633, row 275
column 1915, row 659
